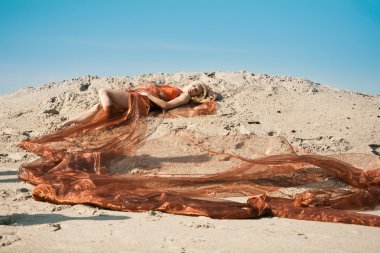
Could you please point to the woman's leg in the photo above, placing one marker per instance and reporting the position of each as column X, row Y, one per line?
column 113, row 98
column 108, row 97
column 83, row 117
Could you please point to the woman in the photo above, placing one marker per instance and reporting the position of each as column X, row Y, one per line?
column 166, row 97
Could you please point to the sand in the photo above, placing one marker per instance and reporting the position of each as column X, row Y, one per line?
column 312, row 116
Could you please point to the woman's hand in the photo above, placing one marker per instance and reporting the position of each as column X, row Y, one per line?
column 212, row 95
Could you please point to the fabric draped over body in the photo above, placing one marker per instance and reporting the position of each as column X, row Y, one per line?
column 83, row 164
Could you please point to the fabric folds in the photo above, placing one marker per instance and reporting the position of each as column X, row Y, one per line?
column 92, row 164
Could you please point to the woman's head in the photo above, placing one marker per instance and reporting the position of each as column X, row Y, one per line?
column 197, row 89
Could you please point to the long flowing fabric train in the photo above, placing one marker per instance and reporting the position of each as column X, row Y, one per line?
column 85, row 164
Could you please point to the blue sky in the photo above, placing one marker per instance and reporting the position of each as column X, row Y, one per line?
column 334, row 42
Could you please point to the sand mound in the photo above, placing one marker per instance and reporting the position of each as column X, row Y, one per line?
column 319, row 118
column 311, row 116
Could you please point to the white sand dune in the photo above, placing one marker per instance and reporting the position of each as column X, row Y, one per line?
column 316, row 117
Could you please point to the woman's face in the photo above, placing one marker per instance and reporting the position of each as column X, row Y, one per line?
column 194, row 89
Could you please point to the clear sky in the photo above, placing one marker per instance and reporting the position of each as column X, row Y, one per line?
column 334, row 42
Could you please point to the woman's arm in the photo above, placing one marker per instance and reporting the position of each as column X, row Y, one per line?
column 182, row 99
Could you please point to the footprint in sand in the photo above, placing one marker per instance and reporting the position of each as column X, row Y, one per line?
column 6, row 240
column 5, row 194
column 22, row 194
column 55, row 227
column 153, row 215
column 60, row 207
column 194, row 224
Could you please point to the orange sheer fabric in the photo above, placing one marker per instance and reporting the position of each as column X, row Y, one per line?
column 170, row 91
column 90, row 164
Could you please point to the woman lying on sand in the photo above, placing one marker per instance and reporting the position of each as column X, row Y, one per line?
column 168, row 97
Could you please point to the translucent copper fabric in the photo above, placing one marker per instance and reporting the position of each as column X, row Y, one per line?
column 193, row 174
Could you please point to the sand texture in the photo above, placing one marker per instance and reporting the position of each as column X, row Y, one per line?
column 312, row 117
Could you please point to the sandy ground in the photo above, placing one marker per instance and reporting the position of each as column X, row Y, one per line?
column 311, row 116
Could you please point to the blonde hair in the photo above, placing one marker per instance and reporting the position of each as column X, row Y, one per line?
column 204, row 96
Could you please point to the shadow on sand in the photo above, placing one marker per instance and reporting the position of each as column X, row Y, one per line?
column 23, row 219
